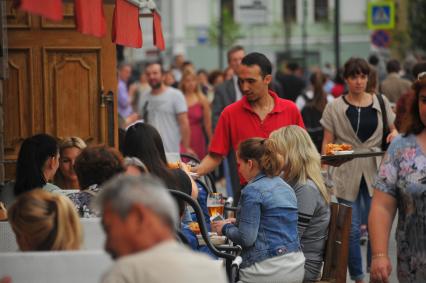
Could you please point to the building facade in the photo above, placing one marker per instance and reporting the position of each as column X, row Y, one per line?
column 289, row 29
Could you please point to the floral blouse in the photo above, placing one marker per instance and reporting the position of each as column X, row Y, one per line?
column 402, row 174
column 82, row 201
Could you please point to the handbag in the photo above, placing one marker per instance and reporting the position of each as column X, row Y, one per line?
column 386, row 130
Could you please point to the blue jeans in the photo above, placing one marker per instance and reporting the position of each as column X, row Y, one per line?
column 360, row 208
column 227, row 173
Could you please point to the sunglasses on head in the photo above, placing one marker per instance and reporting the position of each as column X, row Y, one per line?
column 134, row 123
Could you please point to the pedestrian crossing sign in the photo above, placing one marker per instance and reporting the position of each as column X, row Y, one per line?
column 381, row 15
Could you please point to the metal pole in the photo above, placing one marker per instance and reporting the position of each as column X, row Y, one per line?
column 287, row 29
column 220, row 37
column 304, row 32
column 337, row 33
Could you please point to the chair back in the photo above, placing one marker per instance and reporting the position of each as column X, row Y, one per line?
column 208, row 180
column 7, row 195
column 337, row 246
column 93, row 235
column 58, row 267
column 203, row 227
column 7, row 238
column 203, row 194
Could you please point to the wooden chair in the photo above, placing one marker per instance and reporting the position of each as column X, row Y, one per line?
column 229, row 253
column 93, row 235
column 208, row 180
column 337, row 246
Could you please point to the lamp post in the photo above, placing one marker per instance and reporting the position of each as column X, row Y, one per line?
column 337, row 33
column 220, row 37
column 304, row 32
column 287, row 28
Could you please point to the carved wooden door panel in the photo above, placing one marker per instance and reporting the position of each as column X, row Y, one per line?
column 56, row 80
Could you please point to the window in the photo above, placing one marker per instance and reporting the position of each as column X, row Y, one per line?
column 289, row 11
column 321, row 10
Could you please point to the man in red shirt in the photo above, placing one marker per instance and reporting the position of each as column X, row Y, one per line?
column 257, row 114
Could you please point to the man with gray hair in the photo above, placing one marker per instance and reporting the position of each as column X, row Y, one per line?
column 140, row 217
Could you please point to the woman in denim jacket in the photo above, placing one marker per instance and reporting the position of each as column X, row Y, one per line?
column 266, row 224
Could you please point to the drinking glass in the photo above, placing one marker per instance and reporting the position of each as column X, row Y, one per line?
column 215, row 204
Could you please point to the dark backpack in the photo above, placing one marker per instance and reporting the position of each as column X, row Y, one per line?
column 311, row 118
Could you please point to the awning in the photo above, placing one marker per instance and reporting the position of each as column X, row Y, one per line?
column 89, row 18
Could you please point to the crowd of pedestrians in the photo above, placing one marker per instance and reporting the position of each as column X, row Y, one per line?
column 268, row 132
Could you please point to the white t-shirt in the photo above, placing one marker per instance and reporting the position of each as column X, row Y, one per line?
column 161, row 111
column 238, row 94
column 166, row 262
column 301, row 101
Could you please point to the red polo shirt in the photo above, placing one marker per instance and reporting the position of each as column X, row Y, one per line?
column 239, row 122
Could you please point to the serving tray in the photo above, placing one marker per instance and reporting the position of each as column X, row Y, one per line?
column 355, row 154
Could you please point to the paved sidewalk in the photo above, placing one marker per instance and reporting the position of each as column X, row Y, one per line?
column 392, row 255
column 392, row 245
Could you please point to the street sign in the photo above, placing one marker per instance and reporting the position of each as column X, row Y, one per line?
column 203, row 35
column 381, row 38
column 381, row 15
column 252, row 11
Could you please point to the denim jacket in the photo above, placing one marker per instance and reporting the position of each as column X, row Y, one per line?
column 266, row 220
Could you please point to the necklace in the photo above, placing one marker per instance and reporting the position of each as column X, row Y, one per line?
column 358, row 120
column 358, row 110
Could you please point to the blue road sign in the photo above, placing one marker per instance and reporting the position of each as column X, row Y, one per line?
column 381, row 15
column 381, row 38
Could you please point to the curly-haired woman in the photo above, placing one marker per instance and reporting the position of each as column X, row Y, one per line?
column 401, row 184
column 93, row 167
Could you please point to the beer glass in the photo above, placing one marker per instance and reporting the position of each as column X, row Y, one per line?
column 215, row 204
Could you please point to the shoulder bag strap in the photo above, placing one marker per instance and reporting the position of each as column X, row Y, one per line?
column 145, row 112
column 384, row 118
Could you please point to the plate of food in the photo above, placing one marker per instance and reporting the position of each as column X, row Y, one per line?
column 194, row 227
column 336, row 152
column 338, row 149
column 214, row 239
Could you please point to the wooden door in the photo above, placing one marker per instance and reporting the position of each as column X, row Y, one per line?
column 56, row 78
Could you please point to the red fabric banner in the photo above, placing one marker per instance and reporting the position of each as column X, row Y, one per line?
column 126, row 29
column 90, row 18
column 50, row 9
column 158, row 31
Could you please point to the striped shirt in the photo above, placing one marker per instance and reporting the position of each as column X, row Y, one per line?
column 312, row 226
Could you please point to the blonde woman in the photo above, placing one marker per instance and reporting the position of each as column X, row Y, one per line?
column 69, row 149
column 43, row 221
column 302, row 171
column 199, row 113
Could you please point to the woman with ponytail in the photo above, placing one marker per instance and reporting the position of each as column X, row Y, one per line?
column 43, row 221
column 266, row 224
column 312, row 104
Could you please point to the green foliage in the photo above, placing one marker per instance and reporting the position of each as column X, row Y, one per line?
column 231, row 30
column 401, row 42
column 417, row 22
